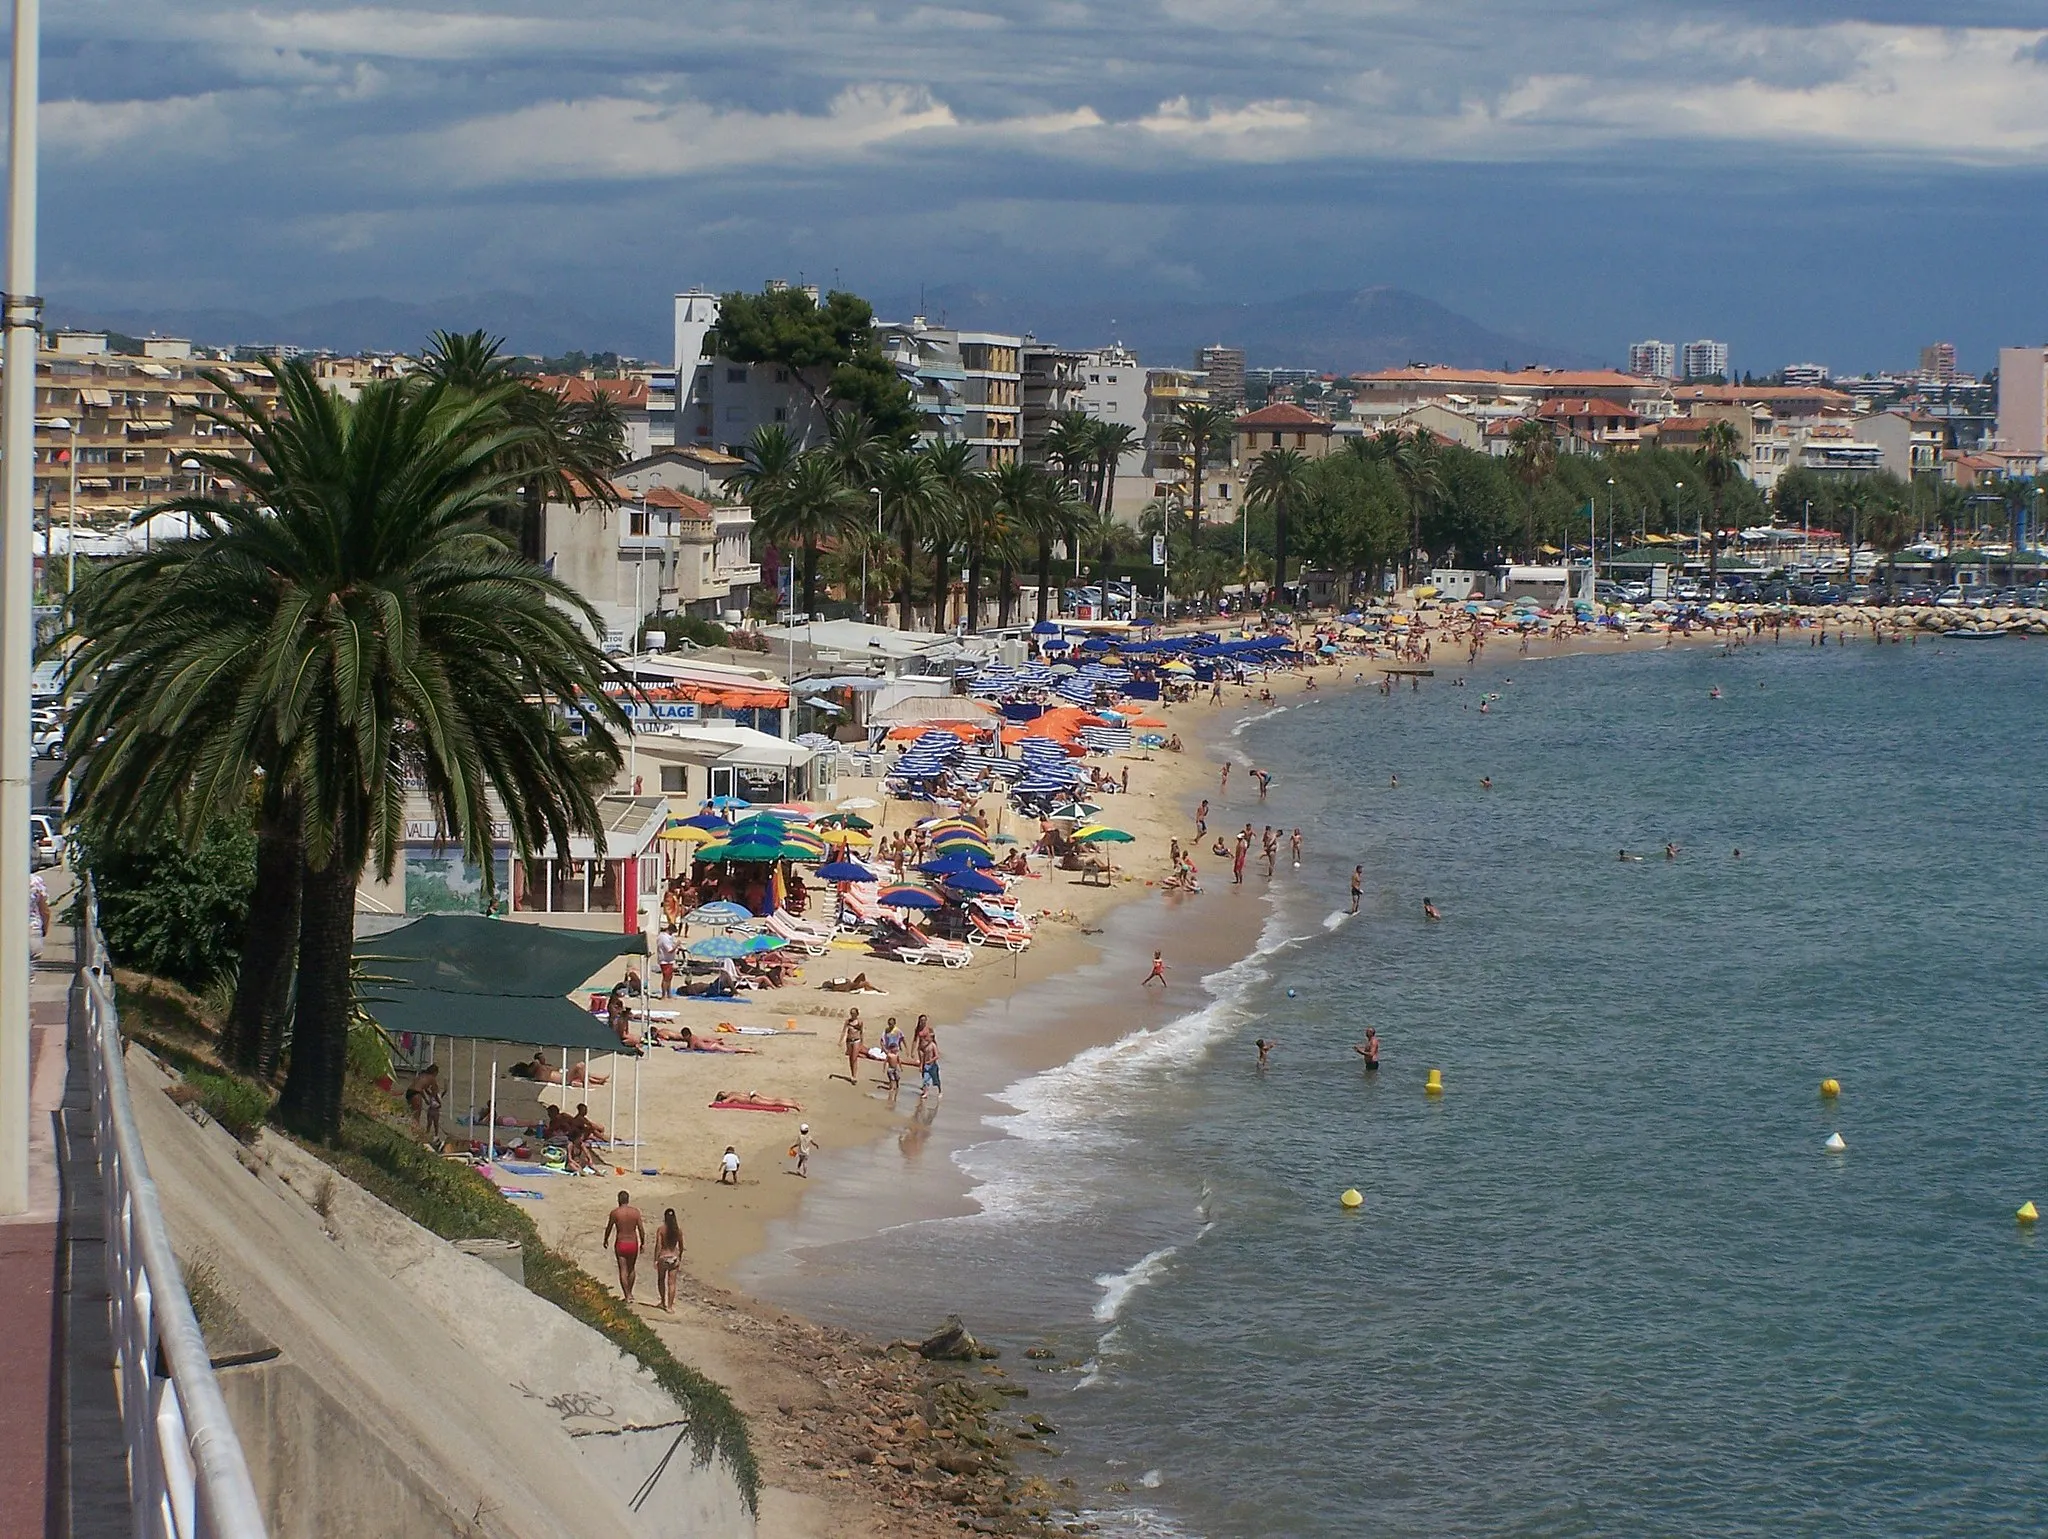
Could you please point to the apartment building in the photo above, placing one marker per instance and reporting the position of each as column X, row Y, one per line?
column 967, row 386
column 116, row 432
column 1938, row 361
column 645, row 398
column 2023, row 399
column 1224, row 369
column 1704, row 359
column 1804, row 375
column 1388, row 393
column 1051, row 382
column 1166, row 450
column 1653, row 360
column 1282, row 425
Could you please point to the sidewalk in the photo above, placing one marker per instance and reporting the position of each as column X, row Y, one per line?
column 62, row 1455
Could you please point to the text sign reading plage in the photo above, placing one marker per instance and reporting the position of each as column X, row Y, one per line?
column 661, row 710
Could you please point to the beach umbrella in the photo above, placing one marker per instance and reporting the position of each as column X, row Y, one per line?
column 957, row 861
column 848, row 871
column 1101, row 836
column 904, row 895
column 754, row 945
column 719, row 915
column 728, row 803
column 972, row 881
column 852, row 820
column 717, row 948
column 1074, row 812
column 753, row 854
column 683, row 831
column 848, row 838
column 1045, row 628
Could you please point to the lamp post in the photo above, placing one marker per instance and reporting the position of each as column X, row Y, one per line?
column 21, row 312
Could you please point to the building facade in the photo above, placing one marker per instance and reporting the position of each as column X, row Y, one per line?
column 1653, row 360
column 2023, row 399
column 1705, row 359
column 1224, row 369
column 967, row 386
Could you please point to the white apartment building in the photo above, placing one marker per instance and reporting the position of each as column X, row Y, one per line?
column 1704, row 359
column 1805, row 374
column 1653, row 360
column 968, row 386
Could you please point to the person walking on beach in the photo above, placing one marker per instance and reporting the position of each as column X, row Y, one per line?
column 1158, row 973
column 928, row 1060
column 1369, row 1050
column 853, row 1038
column 665, row 959
column 668, row 1258
column 1294, row 848
column 729, row 1167
column 892, row 1057
column 1202, row 818
column 804, row 1145
column 623, row 1233
column 1357, row 886
column 1237, row 863
column 1223, row 780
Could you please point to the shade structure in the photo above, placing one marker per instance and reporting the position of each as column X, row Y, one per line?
column 717, row 948
column 1101, row 836
column 1075, row 811
column 903, row 895
column 719, row 915
column 462, row 975
column 711, row 823
column 848, row 871
column 692, row 833
column 856, row 803
column 754, row 854
column 960, row 842
column 972, row 881
column 849, row 820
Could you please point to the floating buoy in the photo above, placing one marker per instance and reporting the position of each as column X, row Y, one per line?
column 2028, row 1213
column 1290, row 993
column 1352, row 1199
column 1830, row 1088
column 1834, row 1145
column 1435, row 1085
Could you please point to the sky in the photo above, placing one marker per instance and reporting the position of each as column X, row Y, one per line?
column 1820, row 180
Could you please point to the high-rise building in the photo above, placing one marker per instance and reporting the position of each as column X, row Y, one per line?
column 2023, row 399
column 1225, row 368
column 1938, row 360
column 1653, row 360
column 1705, row 359
column 1805, row 375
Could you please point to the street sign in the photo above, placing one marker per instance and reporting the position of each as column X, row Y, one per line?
column 1159, row 550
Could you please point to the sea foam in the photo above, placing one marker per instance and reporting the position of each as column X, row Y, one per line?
column 1118, row 1286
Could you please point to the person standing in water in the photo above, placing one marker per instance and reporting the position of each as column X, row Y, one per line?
column 623, row 1233
column 1369, row 1050
column 1294, row 847
column 1158, row 973
column 1265, row 1047
column 1357, row 886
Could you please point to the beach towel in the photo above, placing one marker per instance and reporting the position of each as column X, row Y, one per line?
column 752, row 1103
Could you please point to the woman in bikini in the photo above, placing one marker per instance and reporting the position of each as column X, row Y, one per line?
column 668, row 1258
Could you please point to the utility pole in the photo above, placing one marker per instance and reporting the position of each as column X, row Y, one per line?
column 21, row 311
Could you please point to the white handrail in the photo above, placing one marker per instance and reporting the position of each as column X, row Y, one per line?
column 187, row 1478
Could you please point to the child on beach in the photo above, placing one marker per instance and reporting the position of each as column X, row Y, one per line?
column 729, row 1167
column 1294, row 847
column 1158, row 973
column 892, row 1056
column 804, row 1145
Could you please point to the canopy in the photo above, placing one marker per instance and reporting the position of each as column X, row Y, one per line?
column 490, row 980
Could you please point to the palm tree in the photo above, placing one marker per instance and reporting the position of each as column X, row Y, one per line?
column 1061, row 519
column 769, row 460
column 984, row 528
column 1418, row 466
column 1020, row 497
column 1532, row 456
column 1204, row 432
column 1278, row 483
column 910, row 504
column 1888, row 528
column 854, row 448
column 954, row 483
column 1720, row 457
column 387, row 637
column 1112, row 441
column 810, row 505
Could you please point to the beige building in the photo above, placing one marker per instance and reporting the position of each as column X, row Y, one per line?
column 115, row 431
column 1281, row 426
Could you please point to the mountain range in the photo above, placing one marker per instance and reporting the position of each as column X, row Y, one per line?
column 1326, row 330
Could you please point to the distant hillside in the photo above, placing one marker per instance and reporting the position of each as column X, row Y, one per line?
column 1333, row 331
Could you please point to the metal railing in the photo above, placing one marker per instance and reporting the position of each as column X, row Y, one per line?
column 187, row 1478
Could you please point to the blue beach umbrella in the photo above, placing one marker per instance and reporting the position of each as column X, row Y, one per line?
column 903, row 895
column 718, row 948
column 720, row 915
column 973, row 881
column 848, row 871
column 754, row 945
column 957, row 860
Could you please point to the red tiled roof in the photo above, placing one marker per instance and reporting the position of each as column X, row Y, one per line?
column 1548, row 379
column 1584, row 406
column 574, row 388
column 1283, row 414
column 669, row 497
column 1744, row 395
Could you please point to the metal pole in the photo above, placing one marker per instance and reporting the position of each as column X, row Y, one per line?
column 21, row 311
column 71, row 520
column 637, row 1156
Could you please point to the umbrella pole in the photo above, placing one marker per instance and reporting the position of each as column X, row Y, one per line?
column 492, row 1143
column 636, row 1114
column 612, row 1127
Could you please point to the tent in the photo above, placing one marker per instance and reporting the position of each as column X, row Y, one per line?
column 490, row 980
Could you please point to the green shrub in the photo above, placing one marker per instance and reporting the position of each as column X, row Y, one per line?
column 239, row 1105
column 170, row 911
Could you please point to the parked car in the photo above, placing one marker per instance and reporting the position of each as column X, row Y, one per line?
column 45, row 841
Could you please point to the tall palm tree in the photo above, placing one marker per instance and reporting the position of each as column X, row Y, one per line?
column 1279, row 484
column 768, row 461
column 1069, row 446
column 1204, row 433
column 810, row 506
column 1720, row 457
column 1418, row 466
column 1532, row 456
column 1061, row 518
column 984, row 530
column 910, row 503
column 1020, row 497
column 388, row 637
column 1112, row 441
column 854, row 449
column 955, row 484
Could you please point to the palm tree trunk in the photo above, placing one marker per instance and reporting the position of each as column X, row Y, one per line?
column 973, row 589
column 311, row 1103
column 810, row 577
column 1279, row 548
column 1044, row 575
column 1005, row 596
column 1195, row 511
column 909, row 566
column 263, row 982
column 941, row 589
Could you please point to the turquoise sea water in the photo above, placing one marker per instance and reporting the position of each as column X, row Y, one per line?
column 1609, row 1282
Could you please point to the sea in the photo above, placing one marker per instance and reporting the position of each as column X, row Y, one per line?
column 1610, row 1281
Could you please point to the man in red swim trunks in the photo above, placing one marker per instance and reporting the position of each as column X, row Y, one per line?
column 622, row 1232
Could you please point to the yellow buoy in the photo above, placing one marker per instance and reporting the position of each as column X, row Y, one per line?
column 1830, row 1088
column 1351, row 1199
column 2028, row 1213
column 1435, row 1086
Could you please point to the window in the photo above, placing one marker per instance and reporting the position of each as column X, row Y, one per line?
column 1276, row 440
column 782, row 414
column 675, row 779
column 565, row 886
column 1301, row 440
column 782, row 376
column 606, row 885
column 735, row 376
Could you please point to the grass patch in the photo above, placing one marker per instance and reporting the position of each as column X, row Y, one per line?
column 239, row 1105
column 458, row 1204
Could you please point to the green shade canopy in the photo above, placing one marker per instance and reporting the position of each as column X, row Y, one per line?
column 489, row 980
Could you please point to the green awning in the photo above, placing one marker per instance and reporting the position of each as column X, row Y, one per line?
column 489, row 980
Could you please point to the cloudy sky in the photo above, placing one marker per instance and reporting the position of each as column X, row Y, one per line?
column 1837, row 180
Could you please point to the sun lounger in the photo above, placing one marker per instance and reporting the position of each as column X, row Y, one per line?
column 800, row 935
column 982, row 931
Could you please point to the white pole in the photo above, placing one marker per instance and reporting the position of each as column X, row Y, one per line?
column 493, row 1135
column 71, row 519
column 21, row 312
column 611, row 1128
column 636, row 1114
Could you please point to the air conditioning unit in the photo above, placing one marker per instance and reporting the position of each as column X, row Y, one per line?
column 656, row 641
